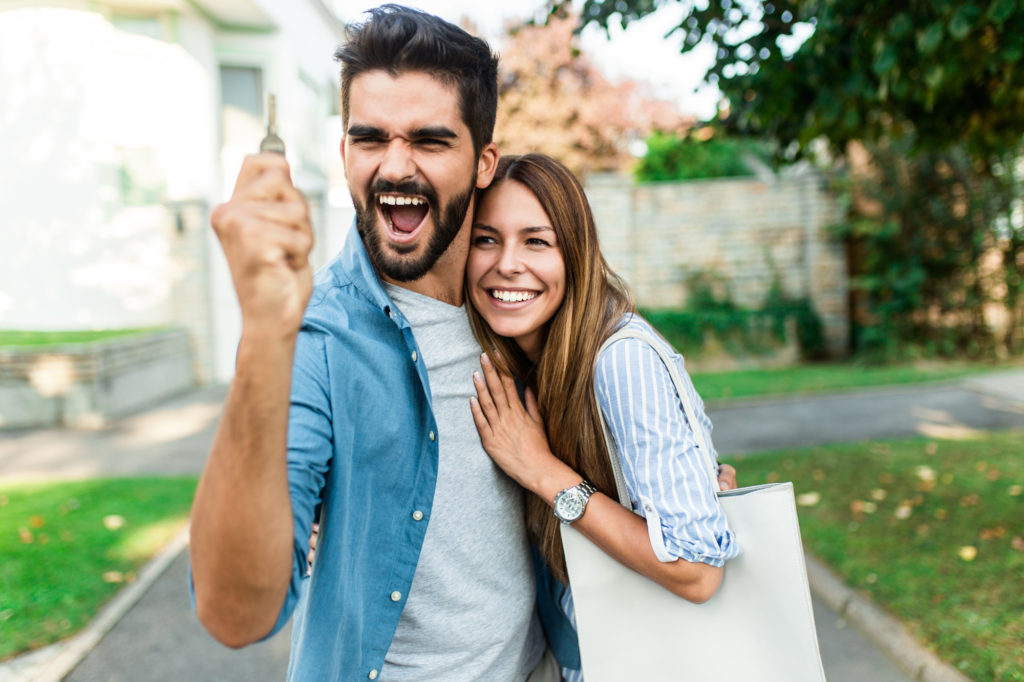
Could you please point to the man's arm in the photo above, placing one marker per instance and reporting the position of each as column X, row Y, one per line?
column 242, row 533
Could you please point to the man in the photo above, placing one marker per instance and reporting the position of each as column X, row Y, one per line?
column 423, row 570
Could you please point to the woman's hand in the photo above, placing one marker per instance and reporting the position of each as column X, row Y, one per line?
column 726, row 477
column 512, row 435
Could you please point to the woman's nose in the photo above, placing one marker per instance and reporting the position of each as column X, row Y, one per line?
column 510, row 262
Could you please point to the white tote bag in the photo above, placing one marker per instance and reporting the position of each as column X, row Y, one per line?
column 759, row 625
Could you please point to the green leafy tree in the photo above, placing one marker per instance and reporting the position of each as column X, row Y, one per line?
column 696, row 156
column 933, row 90
column 946, row 72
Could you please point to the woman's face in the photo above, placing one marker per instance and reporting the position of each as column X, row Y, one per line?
column 516, row 273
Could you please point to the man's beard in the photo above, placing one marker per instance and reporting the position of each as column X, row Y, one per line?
column 447, row 223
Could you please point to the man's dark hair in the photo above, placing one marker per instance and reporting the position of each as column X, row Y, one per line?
column 397, row 39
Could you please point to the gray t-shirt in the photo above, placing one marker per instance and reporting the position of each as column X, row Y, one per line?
column 470, row 613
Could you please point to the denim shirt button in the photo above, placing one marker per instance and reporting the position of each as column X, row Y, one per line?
column 396, row 596
column 432, row 436
column 373, row 674
column 417, row 515
column 414, row 356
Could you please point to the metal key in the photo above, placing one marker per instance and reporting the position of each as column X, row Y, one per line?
column 272, row 143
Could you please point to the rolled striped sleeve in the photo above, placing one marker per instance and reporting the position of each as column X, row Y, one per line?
column 668, row 481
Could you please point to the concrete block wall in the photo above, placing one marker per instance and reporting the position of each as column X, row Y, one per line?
column 745, row 231
column 85, row 385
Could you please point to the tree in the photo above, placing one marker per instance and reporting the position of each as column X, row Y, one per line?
column 943, row 73
column 934, row 92
column 553, row 99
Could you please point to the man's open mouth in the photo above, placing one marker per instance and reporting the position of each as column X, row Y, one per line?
column 403, row 213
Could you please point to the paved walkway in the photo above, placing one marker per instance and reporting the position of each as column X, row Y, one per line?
column 159, row 639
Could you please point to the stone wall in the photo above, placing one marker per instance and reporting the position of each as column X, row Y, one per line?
column 85, row 385
column 748, row 232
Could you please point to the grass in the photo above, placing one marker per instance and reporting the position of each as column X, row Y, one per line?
column 30, row 339
column 931, row 530
column 817, row 378
column 67, row 547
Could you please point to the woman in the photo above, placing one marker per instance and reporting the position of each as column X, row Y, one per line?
column 544, row 300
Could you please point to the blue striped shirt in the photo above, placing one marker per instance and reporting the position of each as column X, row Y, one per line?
column 666, row 476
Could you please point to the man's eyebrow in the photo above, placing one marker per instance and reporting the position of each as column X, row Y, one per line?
column 365, row 131
column 441, row 132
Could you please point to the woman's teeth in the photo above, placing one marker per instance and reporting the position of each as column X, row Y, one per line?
column 513, row 296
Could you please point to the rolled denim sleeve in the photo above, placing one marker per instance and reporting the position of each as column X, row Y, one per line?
column 310, row 438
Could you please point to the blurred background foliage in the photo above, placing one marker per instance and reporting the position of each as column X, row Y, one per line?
column 915, row 111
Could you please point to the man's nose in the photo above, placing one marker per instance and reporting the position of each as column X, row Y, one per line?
column 397, row 164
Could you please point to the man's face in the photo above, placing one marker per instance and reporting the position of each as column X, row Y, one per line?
column 411, row 169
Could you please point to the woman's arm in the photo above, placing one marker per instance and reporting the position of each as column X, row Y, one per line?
column 514, row 437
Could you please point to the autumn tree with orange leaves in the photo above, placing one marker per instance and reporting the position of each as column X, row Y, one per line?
column 552, row 99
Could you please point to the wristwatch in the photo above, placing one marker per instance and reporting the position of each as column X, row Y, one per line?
column 572, row 502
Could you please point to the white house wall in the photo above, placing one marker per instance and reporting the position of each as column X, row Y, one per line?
column 82, row 99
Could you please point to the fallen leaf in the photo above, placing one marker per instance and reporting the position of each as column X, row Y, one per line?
column 808, row 499
column 772, row 477
column 968, row 552
column 992, row 475
column 931, row 448
column 992, row 533
column 925, row 473
column 903, row 510
column 885, row 478
column 980, row 466
column 3, row 500
column 970, row 500
column 879, row 494
column 941, row 514
column 922, row 529
column 113, row 521
column 947, row 478
column 870, row 507
column 1017, row 543
column 37, row 522
column 871, row 578
column 25, row 535
column 818, row 475
column 113, row 577
column 1015, row 490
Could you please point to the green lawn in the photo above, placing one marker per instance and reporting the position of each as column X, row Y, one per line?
column 817, row 378
column 932, row 530
column 19, row 339
column 67, row 547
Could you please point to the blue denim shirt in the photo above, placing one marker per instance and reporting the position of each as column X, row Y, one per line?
column 362, row 462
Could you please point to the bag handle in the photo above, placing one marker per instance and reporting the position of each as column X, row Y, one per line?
column 688, row 409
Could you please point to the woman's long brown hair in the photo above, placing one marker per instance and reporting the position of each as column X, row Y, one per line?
column 595, row 301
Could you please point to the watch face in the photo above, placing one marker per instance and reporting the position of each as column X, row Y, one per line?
column 570, row 505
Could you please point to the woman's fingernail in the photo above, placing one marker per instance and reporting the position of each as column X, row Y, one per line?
column 484, row 359
column 477, row 378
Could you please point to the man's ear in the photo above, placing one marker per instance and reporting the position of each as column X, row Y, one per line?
column 342, row 149
column 486, row 165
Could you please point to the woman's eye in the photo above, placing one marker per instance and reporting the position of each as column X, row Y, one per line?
column 537, row 241
column 483, row 241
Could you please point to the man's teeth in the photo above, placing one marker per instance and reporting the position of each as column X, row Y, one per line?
column 513, row 296
column 400, row 201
